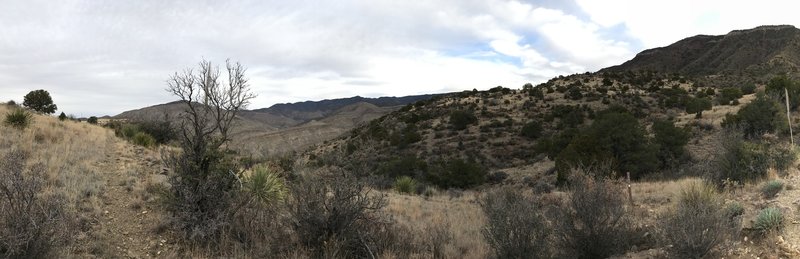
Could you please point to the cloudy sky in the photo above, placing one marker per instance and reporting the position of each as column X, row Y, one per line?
column 104, row 57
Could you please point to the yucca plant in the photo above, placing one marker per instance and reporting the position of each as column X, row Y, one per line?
column 771, row 188
column 18, row 118
column 265, row 185
column 405, row 184
column 768, row 220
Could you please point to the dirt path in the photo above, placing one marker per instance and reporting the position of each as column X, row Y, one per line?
column 129, row 224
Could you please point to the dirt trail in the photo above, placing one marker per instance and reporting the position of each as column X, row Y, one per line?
column 129, row 221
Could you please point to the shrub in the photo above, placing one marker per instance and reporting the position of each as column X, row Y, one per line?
column 62, row 116
column 457, row 173
column 776, row 85
column 698, row 105
column 593, row 223
column 406, row 165
column 769, row 220
column 128, row 131
column 405, row 184
column 405, row 137
column 18, row 118
column 742, row 160
column 161, row 130
column 40, row 101
column 748, row 88
column 532, row 130
column 337, row 218
column 143, row 139
column 265, row 185
column 516, row 226
column 460, row 119
column 771, row 188
column 92, row 120
column 670, row 140
column 762, row 115
column 729, row 94
column 698, row 224
column 614, row 137
column 33, row 224
column 734, row 209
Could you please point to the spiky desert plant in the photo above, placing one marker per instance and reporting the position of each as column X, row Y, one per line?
column 769, row 220
column 771, row 188
column 265, row 185
column 405, row 184
column 18, row 118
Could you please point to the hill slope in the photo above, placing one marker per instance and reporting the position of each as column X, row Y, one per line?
column 758, row 52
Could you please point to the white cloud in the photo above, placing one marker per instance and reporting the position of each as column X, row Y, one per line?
column 104, row 57
column 660, row 23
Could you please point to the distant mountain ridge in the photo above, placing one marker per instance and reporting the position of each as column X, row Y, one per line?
column 312, row 110
column 758, row 52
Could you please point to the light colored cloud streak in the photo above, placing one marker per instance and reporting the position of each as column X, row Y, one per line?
column 104, row 57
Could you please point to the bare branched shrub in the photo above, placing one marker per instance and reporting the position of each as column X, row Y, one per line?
column 516, row 226
column 205, row 179
column 339, row 218
column 32, row 224
column 698, row 224
column 593, row 223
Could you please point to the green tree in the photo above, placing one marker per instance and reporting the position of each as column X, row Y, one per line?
column 776, row 86
column 62, row 116
column 670, row 141
column 615, row 139
column 92, row 120
column 729, row 94
column 459, row 119
column 762, row 115
column 532, row 130
column 696, row 105
column 40, row 101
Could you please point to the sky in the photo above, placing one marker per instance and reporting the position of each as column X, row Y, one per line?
column 105, row 57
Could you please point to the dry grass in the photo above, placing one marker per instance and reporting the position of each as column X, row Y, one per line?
column 462, row 214
column 71, row 152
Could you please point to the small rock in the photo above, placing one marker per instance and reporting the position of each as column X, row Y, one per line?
column 144, row 212
column 105, row 212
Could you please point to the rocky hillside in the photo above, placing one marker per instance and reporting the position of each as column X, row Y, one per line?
column 753, row 54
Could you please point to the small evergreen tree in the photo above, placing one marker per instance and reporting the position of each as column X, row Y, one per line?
column 40, row 101
column 91, row 120
column 62, row 116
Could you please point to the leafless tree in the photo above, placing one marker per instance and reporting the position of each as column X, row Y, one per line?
column 203, row 178
column 211, row 104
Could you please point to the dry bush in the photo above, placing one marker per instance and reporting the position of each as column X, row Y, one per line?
column 32, row 224
column 698, row 224
column 340, row 218
column 516, row 226
column 593, row 223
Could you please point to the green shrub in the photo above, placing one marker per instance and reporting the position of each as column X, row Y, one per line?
column 143, row 139
column 405, row 137
column 776, row 86
column 771, row 188
column 748, row 88
column 698, row 224
column 128, row 131
column 457, row 173
column 92, row 120
column 406, row 165
column 460, row 119
column 62, row 116
column 265, row 185
column 734, row 209
column 18, row 118
column 769, row 220
column 762, row 115
column 532, row 130
column 729, row 94
column 614, row 137
column 697, row 105
column 516, row 226
column 670, row 141
column 405, row 184
column 742, row 160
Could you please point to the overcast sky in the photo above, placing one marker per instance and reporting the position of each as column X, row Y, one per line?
column 105, row 57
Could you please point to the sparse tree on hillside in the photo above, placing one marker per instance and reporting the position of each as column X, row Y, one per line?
column 202, row 201
column 40, row 101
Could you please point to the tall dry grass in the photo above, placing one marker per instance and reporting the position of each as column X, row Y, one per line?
column 72, row 153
